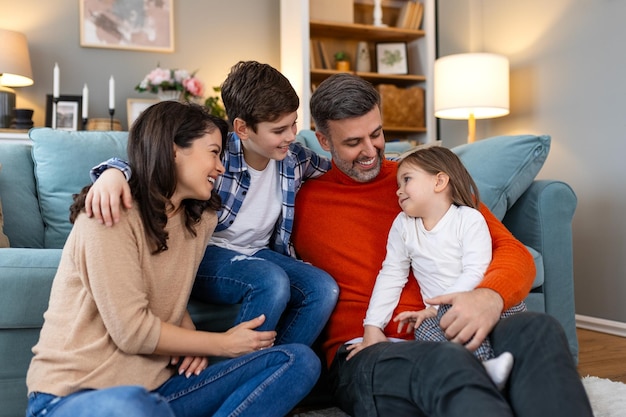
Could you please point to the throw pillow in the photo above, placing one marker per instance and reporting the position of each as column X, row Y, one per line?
column 503, row 167
column 4, row 240
column 63, row 160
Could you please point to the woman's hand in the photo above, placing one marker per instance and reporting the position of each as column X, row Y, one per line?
column 104, row 197
column 243, row 339
column 190, row 365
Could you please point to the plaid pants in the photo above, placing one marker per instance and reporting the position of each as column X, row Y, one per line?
column 430, row 331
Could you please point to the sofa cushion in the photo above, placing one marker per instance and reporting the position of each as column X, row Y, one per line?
column 307, row 138
column 4, row 240
column 22, row 221
column 503, row 167
column 62, row 163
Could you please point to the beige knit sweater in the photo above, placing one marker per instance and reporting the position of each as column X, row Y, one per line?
column 108, row 300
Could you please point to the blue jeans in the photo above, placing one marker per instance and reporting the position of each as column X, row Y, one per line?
column 268, row 382
column 296, row 298
column 422, row 379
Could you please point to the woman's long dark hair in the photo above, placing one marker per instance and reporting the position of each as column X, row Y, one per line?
column 151, row 158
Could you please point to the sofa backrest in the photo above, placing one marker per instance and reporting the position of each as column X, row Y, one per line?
column 62, row 161
column 22, row 220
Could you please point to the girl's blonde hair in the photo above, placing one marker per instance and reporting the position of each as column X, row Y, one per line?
column 436, row 159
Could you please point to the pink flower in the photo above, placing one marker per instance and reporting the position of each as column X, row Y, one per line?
column 194, row 86
column 159, row 75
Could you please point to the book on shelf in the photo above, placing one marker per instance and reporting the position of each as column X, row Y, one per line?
column 314, row 55
column 410, row 15
column 324, row 57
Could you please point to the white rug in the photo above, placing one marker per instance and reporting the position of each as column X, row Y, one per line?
column 608, row 398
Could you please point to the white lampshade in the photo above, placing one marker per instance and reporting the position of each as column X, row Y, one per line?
column 472, row 85
column 15, row 69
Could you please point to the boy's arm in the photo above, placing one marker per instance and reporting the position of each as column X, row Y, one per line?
column 109, row 188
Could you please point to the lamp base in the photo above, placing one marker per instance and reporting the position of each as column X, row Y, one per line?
column 7, row 104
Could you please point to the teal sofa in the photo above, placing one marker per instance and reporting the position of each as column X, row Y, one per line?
column 38, row 178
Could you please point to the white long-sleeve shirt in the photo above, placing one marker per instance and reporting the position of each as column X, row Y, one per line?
column 451, row 257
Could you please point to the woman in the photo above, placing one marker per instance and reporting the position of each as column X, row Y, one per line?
column 117, row 338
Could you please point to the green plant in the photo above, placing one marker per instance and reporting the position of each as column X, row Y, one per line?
column 214, row 104
column 341, row 56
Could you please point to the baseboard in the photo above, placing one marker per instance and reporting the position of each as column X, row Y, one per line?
column 601, row 325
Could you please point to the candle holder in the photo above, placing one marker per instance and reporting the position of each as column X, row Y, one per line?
column 55, row 101
column 111, row 113
column 85, row 120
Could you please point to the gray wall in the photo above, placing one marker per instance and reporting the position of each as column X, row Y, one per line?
column 567, row 80
column 210, row 36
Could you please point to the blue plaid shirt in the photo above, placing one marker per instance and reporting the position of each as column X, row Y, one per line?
column 300, row 164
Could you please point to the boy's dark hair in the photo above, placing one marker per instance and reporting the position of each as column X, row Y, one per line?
column 256, row 93
column 342, row 96
column 436, row 159
column 151, row 158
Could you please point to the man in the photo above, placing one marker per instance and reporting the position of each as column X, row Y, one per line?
column 341, row 225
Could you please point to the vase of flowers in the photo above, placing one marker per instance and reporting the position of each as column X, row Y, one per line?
column 172, row 84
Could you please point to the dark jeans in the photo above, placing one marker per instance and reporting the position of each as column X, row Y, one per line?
column 444, row 379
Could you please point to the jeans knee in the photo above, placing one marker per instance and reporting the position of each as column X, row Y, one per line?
column 275, row 283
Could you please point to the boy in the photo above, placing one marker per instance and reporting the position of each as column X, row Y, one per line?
column 248, row 258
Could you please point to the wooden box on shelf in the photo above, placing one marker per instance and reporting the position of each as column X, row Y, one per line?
column 401, row 107
column 341, row 11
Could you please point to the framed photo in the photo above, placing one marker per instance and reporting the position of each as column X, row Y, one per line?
column 127, row 24
column 68, row 114
column 391, row 58
column 134, row 107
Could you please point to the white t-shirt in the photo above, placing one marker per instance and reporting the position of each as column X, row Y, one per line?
column 253, row 227
column 451, row 257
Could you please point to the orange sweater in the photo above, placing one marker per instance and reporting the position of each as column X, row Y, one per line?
column 341, row 226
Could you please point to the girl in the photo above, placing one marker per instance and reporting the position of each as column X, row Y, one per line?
column 117, row 339
column 442, row 236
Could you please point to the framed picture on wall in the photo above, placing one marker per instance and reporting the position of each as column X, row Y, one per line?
column 127, row 24
column 391, row 58
column 68, row 114
column 134, row 107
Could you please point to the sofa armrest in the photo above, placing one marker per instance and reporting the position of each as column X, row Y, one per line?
column 542, row 219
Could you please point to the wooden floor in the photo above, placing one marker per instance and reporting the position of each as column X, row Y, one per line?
column 602, row 355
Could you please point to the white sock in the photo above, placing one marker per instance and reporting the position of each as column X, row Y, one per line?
column 499, row 369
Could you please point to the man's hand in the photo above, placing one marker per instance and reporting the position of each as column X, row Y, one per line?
column 103, row 199
column 472, row 315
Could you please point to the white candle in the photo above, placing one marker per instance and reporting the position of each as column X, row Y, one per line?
column 85, row 101
column 55, row 81
column 111, row 93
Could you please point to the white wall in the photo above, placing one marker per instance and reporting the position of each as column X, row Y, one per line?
column 210, row 36
column 568, row 79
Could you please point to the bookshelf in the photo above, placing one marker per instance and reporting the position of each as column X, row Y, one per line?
column 301, row 38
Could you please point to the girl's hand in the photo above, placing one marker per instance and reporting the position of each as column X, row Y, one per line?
column 412, row 319
column 191, row 365
column 371, row 336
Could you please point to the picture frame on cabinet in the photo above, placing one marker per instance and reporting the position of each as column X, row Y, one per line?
column 134, row 107
column 391, row 58
column 68, row 112
column 127, row 24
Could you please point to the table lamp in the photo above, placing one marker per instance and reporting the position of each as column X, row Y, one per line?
column 15, row 71
column 471, row 86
